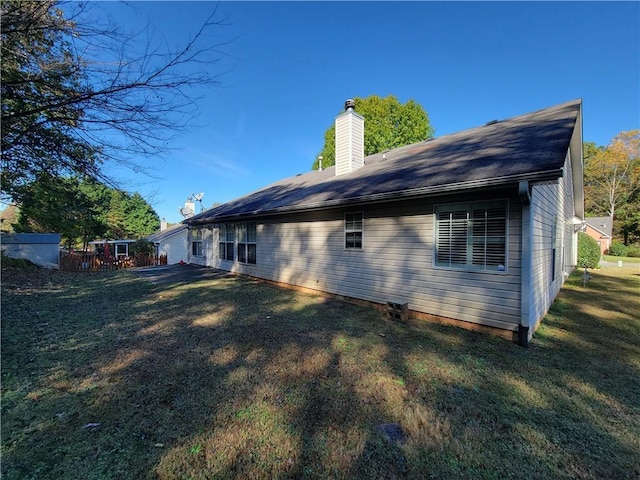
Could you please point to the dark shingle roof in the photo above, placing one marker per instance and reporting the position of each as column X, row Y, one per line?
column 602, row 224
column 527, row 147
column 162, row 235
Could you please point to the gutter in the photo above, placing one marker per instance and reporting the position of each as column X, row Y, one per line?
column 386, row 196
column 524, row 192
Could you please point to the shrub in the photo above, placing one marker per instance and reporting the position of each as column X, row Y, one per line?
column 618, row 249
column 588, row 251
column 142, row 247
column 633, row 252
column 17, row 263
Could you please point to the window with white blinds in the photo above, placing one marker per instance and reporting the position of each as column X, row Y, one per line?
column 472, row 236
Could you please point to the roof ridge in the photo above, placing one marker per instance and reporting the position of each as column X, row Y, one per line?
column 492, row 123
column 523, row 146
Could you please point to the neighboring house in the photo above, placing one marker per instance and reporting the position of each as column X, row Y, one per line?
column 172, row 242
column 117, row 248
column 601, row 230
column 40, row 248
column 477, row 228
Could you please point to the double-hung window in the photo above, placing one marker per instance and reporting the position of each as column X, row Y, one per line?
column 353, row 230
column 196, row 242
column 247, row 242
column 226, row 241
column 472, row 236
column 241, row 234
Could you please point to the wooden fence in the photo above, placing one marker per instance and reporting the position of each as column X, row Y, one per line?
column 90, row 262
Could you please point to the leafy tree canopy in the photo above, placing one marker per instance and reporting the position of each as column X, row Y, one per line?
column 590, row 150
column 612, row 181
column 83, row 210
column 77, row 92
column 387, row 124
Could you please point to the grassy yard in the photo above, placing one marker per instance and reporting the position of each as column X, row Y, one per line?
column 107, row 376
column 611, row 258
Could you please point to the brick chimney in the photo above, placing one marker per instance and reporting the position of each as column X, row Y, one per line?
column 349, row 140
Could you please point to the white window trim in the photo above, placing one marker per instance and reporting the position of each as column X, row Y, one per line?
column 222, row 240
column 345, row 231
column 466, row 268
column 126, row 250
column 247, row 242
column 197, row 236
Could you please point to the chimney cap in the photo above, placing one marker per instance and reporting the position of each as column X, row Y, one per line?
column 350, row 103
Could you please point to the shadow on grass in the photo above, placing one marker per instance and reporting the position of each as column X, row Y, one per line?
column 233, row 378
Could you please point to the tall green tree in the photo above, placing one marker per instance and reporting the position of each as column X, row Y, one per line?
column 77, row 93
column 40, row 76
column 590, row 150
column 141, row 219
column 387, row 124
column 83, row 210
column 55, row 204
column 627, row 224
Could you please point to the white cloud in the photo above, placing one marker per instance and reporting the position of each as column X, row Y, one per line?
column 214, row 163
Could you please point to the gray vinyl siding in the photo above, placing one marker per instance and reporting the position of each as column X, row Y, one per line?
column 209, row 235
column 395, row 264
column 175, row 248
column 550, row 201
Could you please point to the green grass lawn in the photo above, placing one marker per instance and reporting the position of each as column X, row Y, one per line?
column 106, row 376
column 611, row 258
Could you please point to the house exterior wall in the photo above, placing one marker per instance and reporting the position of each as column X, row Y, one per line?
column 395, row 264
column 553, row 243
column 175, row 247
column 209, row 246
column 40, row 248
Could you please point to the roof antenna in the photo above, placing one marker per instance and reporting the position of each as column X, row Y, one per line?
column 198, row 198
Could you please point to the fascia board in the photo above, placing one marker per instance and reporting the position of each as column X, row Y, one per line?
column 544, row 176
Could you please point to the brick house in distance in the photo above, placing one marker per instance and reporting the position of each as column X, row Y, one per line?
column 600, row 229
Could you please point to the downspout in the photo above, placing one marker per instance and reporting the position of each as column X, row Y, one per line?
column 189, row 244
column 525, row 277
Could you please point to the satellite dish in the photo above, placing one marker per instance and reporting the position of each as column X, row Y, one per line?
column 198, row 198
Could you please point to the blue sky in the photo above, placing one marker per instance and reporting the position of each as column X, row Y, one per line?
column 290, row 66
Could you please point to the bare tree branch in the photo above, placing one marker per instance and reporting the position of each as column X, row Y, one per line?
column 95, row 90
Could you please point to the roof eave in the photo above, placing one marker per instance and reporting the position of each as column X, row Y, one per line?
column 544, row 176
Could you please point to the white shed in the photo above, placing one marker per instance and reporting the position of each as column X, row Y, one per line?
column 40, row 248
